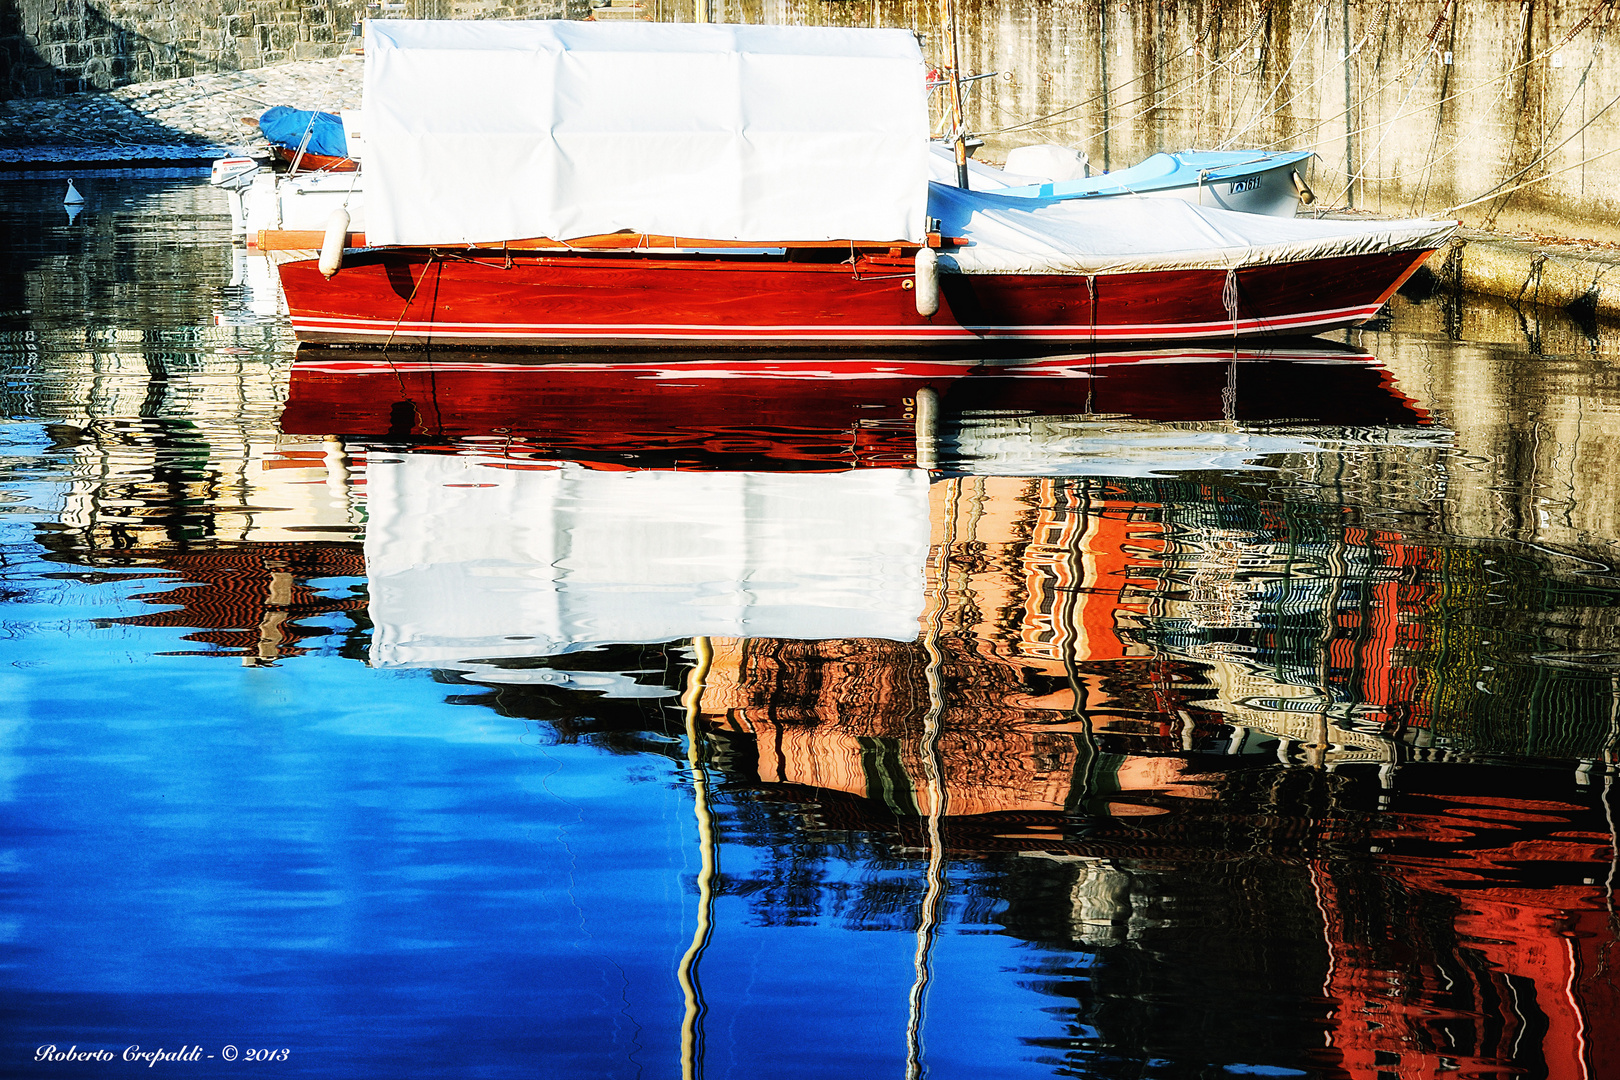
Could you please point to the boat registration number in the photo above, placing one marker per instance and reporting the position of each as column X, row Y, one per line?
column 1251, row 184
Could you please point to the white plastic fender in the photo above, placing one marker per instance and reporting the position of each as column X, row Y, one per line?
column 337, row 234
column 927, row 282
column 1302, row 189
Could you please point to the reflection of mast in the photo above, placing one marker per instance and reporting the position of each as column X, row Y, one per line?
column 691, row 1023
column 1609, row 766
column 1070, row 637
column 928, row 917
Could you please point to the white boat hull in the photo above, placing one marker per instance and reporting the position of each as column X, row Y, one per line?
column 269, row 201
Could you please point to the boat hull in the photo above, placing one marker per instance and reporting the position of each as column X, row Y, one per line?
column 483, row 298
column 1268, row 191
column 313, row 162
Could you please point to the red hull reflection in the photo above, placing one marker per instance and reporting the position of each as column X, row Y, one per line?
column 807, row 412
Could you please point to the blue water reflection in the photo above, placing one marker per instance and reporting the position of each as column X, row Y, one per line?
column 1168, row 714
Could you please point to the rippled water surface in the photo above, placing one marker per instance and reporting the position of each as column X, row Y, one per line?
column 1172, row 714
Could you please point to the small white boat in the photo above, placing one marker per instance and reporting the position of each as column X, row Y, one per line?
column 1249, row 181
column 261, row 199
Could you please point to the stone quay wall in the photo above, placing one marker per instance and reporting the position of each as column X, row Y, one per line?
column 1505, row 113
column 53, row 47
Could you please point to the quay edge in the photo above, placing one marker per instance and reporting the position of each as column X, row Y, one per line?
column 1580, row 278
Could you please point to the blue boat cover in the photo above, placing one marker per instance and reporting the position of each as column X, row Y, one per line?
column 1162, row 172
column 285, row 126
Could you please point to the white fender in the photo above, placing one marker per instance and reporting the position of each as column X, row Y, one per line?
column 1302, row 189
column 927, row 282
column 337, row 234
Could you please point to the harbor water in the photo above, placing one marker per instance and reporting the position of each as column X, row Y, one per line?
column 1223, row 711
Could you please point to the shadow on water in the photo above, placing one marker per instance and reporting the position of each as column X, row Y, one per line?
column 1170, row 714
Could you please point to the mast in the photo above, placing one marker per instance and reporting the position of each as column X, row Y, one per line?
column 956, row 97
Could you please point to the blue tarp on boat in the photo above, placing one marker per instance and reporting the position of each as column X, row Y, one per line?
column 1161, row 172
column 285, row 126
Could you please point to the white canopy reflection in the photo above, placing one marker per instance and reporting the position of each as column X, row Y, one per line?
column 470, row 558
column 1102, row 445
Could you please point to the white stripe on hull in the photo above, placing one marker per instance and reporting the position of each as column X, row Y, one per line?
column 374, row 331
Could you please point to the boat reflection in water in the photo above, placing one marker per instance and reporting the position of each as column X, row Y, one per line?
column 1189, row 734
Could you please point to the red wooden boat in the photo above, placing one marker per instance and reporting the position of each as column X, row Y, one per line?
column 801, row 295
column 821, row 219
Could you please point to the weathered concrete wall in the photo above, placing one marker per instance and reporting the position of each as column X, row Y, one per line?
column 1414, row 108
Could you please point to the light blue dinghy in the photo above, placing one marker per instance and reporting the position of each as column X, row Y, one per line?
column 1251, row 182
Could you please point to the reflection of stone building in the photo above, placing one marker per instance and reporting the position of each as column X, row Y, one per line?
column 238, row 519
column 163, row 407
column 1079, row 637
column 248, row 600
column 1314, row 637
column 1411, row 943
column 1069, row 619
column 1536, row 411
column 1440, row 964
column 238, row 523
column 1021, row 587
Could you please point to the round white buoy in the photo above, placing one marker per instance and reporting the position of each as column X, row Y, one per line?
column 337, row 235
column 72, row 198
column 927, row 282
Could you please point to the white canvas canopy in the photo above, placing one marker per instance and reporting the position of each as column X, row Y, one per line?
column 483, row 131
column 469, row 560
column 1129, row 233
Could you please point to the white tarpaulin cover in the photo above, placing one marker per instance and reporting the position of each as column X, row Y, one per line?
column 467, row 561
column 1011, row 235
column 482, row 131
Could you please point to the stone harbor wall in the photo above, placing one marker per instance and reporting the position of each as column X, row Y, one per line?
column 1504, row 113
column 54, row 47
